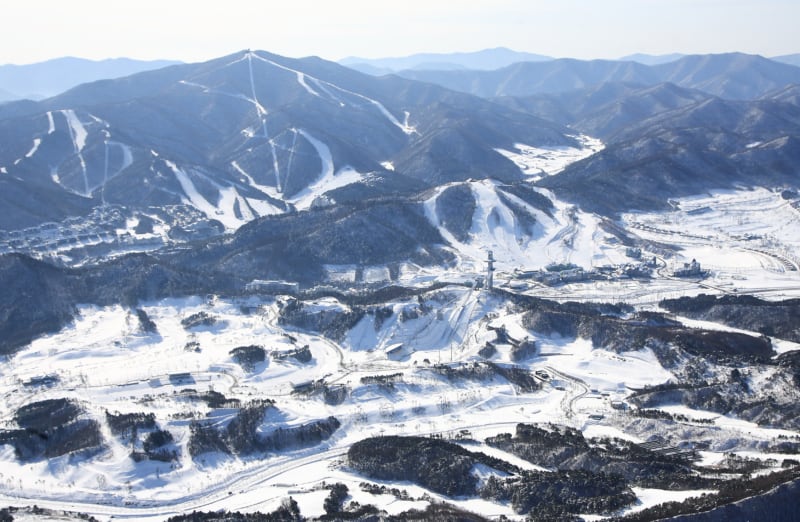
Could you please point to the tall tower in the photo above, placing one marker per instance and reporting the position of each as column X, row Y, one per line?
column 490, row 271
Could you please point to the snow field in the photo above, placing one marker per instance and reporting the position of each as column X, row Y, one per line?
column 540, row 162
column 570, row 235
column 749, row 239
column 106, row 363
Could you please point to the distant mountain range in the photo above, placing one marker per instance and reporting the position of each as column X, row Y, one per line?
column 791, row 59
column 45, row 79
column 652, row 59
column 490, row 59
column 255, row 134
column 604, row 110
column 248, row 135
column 732, row 76
column 486, row 59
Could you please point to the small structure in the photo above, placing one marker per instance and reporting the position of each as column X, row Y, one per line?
column 543, row 375
column 634, row 252
column 396, row 351
column 490, row 271
column 307, row 387
column 181, row 379
column 689, row 270
column 661, row 447
column 272, row 287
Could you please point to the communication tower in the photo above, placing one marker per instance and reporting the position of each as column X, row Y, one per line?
column 490, row 271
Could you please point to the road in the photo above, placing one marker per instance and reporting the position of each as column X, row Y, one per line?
column 571, row 397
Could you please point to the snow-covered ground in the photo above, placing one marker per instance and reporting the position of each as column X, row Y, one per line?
column 105, row 362
column 748, row 239
column 540, row 162
column 568, row 235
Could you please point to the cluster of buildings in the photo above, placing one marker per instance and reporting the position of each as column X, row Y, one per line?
column 106, row 229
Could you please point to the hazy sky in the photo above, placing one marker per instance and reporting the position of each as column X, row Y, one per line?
column 196, row 30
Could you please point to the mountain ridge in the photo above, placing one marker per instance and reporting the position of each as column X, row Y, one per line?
column 731, row 143
column 485, row 59
column 51, row 77
column 730, row 75
column 254, row 133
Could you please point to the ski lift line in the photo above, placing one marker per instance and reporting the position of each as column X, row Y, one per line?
column 105, row 174
column 72, row 123
column 291, row 158
column 210, row 90
column 259, row 108
column 318, row 81
column 329, row 93
column 261, row 113
column 301, row 76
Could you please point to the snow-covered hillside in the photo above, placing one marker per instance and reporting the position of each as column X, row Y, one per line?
column 333, row 274
column 384, row 374
column 523, row 235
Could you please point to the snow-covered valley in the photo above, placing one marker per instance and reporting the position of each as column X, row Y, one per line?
column 272, row 285
column 433, row 365
column 382, row 376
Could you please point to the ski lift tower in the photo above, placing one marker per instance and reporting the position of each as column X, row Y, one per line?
column 490, row 271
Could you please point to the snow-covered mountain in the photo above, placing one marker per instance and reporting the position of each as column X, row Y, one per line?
column 710, row 143
column 732, row 76
column 260, row 284
column 254, row 134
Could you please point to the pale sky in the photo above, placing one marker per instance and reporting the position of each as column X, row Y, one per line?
column 197, row 30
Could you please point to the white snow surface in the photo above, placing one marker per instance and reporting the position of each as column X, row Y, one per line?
column 649, row 497
column 568, row 235
column 540, row 162
column 325, row 86
column 329, row 179
column 51, row 125
column 222, row 211
column 127, row 154
column 78, row 135
column 76, row 129
column 107, row 363
column 36, row 143
column 748, row 238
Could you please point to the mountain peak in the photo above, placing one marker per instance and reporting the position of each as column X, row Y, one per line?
column 253, row 134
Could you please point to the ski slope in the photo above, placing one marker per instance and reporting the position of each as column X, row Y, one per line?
column 568, row 235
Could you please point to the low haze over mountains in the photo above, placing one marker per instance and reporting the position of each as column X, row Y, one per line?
column 45, row 79
column 486, row 59
column 735, row 76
